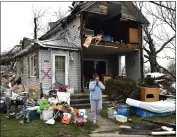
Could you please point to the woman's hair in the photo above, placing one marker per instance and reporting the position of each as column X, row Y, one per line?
column 95, row 75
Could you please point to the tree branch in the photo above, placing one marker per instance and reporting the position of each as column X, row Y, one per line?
column 165, row 44
column 148, row 52
column 146, row 57
column 162, row 6
column 167, row 71
column 146, row 61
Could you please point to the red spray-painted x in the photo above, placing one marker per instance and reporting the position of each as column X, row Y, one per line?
column 46, row 74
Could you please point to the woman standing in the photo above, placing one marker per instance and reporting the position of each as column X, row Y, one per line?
column 96, row 87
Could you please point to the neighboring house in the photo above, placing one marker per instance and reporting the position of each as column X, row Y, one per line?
column 60, row 55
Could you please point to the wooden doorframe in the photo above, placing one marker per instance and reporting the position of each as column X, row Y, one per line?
column 66, row 67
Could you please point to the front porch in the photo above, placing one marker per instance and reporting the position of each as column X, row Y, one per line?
column 120, row 36
column 106, row 61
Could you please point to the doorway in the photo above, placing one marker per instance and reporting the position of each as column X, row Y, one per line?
column 100, row 68
column 60, row 69
column 88, row 69
column 93, row 66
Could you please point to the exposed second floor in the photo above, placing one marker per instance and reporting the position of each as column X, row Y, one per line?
column 118, row 23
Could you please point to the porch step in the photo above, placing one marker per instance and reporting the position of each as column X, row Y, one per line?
column 79, row 96
column 81, row 106
column 80, row 101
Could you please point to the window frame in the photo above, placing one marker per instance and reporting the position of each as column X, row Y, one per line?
column 34, row 67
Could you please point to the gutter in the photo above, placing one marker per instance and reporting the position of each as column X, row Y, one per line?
column 53, row 47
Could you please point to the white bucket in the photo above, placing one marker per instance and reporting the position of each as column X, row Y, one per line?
column 46, row 114
column 121, row 118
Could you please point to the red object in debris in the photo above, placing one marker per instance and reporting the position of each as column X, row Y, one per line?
column 61, row 90
column 80, row 122
column 66, row 120
column 77, row 113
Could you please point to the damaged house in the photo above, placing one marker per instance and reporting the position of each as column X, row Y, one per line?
column 59, row 55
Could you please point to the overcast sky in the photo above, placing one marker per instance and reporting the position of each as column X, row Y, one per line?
column 17, row 21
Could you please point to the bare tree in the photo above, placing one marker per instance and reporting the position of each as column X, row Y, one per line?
column 38, row 14
column 171, row 69
column 39, row 29
column 160, row 35
column 60, row 13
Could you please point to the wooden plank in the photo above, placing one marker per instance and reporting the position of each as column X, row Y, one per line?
column 133, row 35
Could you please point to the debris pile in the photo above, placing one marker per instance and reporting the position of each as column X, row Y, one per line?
column 50, row 106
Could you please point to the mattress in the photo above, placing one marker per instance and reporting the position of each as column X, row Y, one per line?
column 156, row 107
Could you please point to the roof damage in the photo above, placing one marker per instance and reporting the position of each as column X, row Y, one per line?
column 57, row 26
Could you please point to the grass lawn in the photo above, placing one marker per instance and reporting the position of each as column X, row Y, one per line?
column 137, row 120
column 37, row 128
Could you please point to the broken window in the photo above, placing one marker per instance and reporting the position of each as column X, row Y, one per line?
column 33, row 65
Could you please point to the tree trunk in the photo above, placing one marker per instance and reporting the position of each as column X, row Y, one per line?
column 153, row 60
column 35, row 28
column 153, row 67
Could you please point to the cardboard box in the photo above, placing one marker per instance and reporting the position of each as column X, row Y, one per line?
column 61, row 108
column 150, row 94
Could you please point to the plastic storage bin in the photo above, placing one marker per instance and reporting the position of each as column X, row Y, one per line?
column 147, row 114
column 121, row 118
column 46, row 114
column 123, row 110
column 33, row 112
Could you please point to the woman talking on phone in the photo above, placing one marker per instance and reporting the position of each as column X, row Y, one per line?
column 96, row 87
